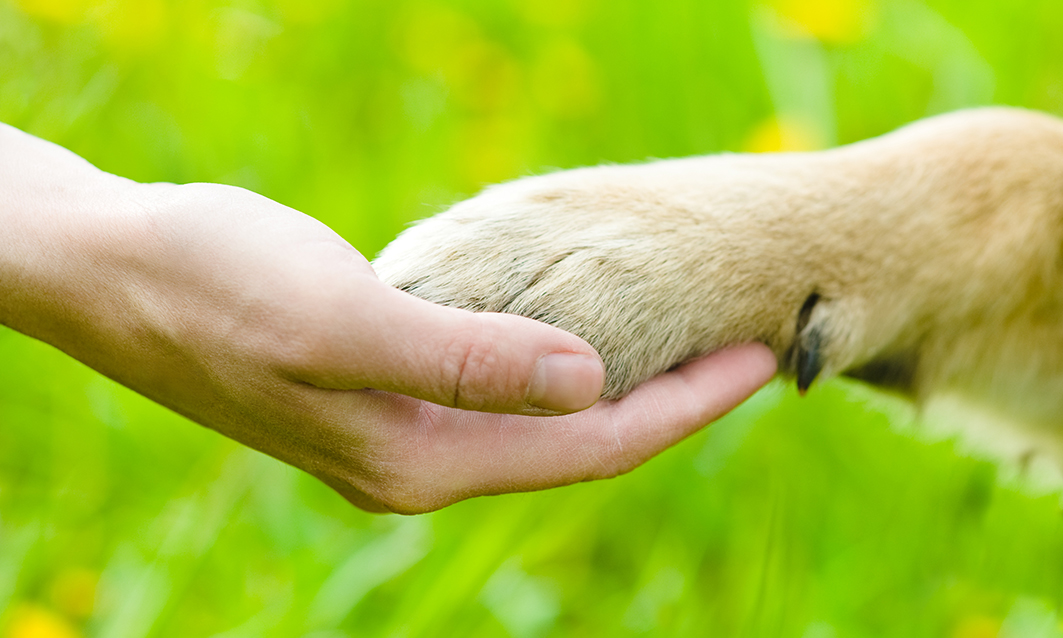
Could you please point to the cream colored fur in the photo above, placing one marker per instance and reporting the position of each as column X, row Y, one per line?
column 928, row 259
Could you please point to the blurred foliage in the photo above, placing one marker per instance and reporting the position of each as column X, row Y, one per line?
column 812, row 518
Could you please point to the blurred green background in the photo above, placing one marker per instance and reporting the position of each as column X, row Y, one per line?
column 823, row 517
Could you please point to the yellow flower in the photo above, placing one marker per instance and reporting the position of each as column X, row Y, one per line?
column 834, row 21
column 33, row 621
column 783, row 134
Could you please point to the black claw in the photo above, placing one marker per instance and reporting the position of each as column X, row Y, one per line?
column 809, row 359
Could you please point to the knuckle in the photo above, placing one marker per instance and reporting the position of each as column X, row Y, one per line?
column 472, row 367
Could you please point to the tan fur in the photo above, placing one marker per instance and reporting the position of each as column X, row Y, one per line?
column 934, row 252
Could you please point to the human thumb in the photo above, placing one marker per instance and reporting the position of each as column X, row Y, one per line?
column 489, row 362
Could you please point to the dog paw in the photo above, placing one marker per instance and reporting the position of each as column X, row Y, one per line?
column 648, row 275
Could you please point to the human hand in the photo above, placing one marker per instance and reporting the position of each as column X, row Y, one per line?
column 261, row 323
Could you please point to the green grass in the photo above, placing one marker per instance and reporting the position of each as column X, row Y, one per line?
column 814, row 518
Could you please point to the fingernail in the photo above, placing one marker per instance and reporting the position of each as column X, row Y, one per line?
column 566, row 382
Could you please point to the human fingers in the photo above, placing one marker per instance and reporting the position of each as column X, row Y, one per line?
column 434, row 456
column 626, row 433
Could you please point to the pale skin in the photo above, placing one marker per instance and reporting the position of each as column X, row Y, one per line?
column 261, row 323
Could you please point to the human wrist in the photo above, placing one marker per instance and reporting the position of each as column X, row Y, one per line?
column 61, row 218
